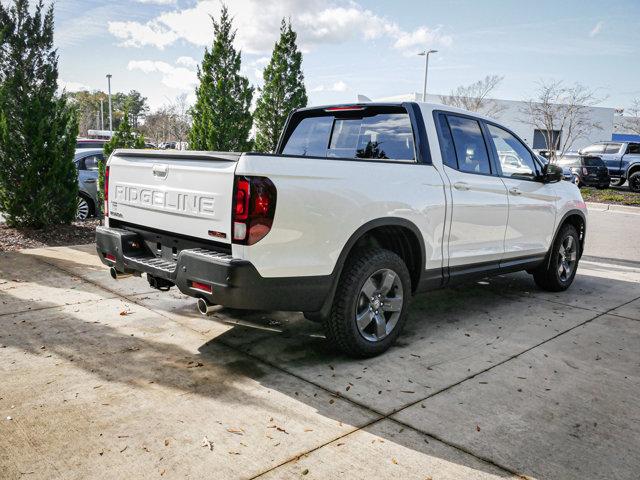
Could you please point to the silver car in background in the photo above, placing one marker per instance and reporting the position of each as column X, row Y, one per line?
column 86, row 161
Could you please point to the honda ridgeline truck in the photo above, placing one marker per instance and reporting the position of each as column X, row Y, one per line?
column 361, row 207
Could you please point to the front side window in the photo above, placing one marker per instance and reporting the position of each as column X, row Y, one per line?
column 633, row 148
column 515, row 159
column 91, row 163
column 471, row 151
column 382, row 136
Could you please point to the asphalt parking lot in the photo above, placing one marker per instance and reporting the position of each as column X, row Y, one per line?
column 497, row 379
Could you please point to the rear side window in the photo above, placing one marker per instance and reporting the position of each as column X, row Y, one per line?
column 310, row 138
column 612, row 148
column 471, row 150
column 593, row 149
column 382, row 136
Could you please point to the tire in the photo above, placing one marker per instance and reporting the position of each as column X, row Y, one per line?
column 634, row 182
column 84, row 208
column 369, row 272
column 557, row 272
column 618, row 182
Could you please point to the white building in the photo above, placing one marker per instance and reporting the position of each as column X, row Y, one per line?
column 512, row 117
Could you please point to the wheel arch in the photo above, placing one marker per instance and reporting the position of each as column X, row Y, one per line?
column 578, row 219
column 396, row 234
column 633, row 168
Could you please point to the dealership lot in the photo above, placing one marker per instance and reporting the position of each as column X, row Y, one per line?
column 490, row 380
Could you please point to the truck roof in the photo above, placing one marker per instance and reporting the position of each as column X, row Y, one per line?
column 363, row 105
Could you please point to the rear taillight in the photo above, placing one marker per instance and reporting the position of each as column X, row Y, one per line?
column 253, row 209
column 106, row 191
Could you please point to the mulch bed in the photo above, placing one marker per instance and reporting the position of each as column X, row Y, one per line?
column 77, row 233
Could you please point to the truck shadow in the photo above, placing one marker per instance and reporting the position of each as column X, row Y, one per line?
column 451, row 335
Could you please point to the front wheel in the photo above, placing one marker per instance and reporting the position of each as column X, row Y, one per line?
column 559, row 269
column 370, row 304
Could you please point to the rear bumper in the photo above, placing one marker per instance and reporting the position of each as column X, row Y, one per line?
column 234, row 282
column 591, row 181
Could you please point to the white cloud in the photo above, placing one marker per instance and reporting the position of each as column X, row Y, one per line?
column 338, row 86
column 157, row 2
column 596, row 29
column 258, row 24
column 421, row 38
column 173, row 77
column 188, row 62
column 135, row 34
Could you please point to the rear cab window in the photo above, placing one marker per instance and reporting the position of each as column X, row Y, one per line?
column 362, row 133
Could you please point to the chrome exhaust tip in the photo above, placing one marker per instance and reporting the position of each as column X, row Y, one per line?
column 205, row 307
column 116, row 275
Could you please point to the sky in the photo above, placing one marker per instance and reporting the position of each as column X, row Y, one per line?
column 366, row 47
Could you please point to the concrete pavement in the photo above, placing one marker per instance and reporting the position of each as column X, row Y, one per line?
column 105, row 379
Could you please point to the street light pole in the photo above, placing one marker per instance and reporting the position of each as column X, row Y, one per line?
column 101, row 114
column 110, row 112
column 426, row 54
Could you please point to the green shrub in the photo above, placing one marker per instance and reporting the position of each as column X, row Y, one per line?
column 38, row 128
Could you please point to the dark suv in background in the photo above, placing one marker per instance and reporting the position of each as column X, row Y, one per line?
column 589, row 171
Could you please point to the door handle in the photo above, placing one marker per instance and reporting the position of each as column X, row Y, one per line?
column 515, row 191
column 461, row 186
column 90, row 180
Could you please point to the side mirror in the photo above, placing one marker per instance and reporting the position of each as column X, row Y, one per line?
column 552, row 173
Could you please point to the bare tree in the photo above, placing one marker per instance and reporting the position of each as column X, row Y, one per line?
column 181, row 119
column 170, row 123
column 562, row 114
column 474, row 97
column 631, row 122
column 157, row 126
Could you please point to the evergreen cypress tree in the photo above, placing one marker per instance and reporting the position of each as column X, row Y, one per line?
column 38, row 128
column 221, row 117
column 283, row 90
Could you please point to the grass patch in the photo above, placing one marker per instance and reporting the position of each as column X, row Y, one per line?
column 616, row 197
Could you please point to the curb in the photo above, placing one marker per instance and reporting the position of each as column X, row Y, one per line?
column 603, row 207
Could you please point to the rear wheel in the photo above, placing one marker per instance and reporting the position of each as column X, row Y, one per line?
column 618, row 182
column 370, row 304
column 559, row 270
column 634, row 182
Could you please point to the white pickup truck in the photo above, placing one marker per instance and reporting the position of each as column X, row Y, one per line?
column 361, row 207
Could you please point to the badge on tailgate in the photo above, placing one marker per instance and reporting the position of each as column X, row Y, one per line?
column 160, row 171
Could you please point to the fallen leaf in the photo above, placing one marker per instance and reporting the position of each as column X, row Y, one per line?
column 237, row 431
column 166, row 442
column 124, row 312
column 305, row 471
column 207, row 443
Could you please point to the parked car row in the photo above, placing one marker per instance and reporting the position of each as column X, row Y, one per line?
column 622, row 159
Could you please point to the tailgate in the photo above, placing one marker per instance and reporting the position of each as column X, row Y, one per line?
column 188, row 193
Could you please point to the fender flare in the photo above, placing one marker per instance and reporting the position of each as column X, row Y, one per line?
column 357, row 235
column 562, row 221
